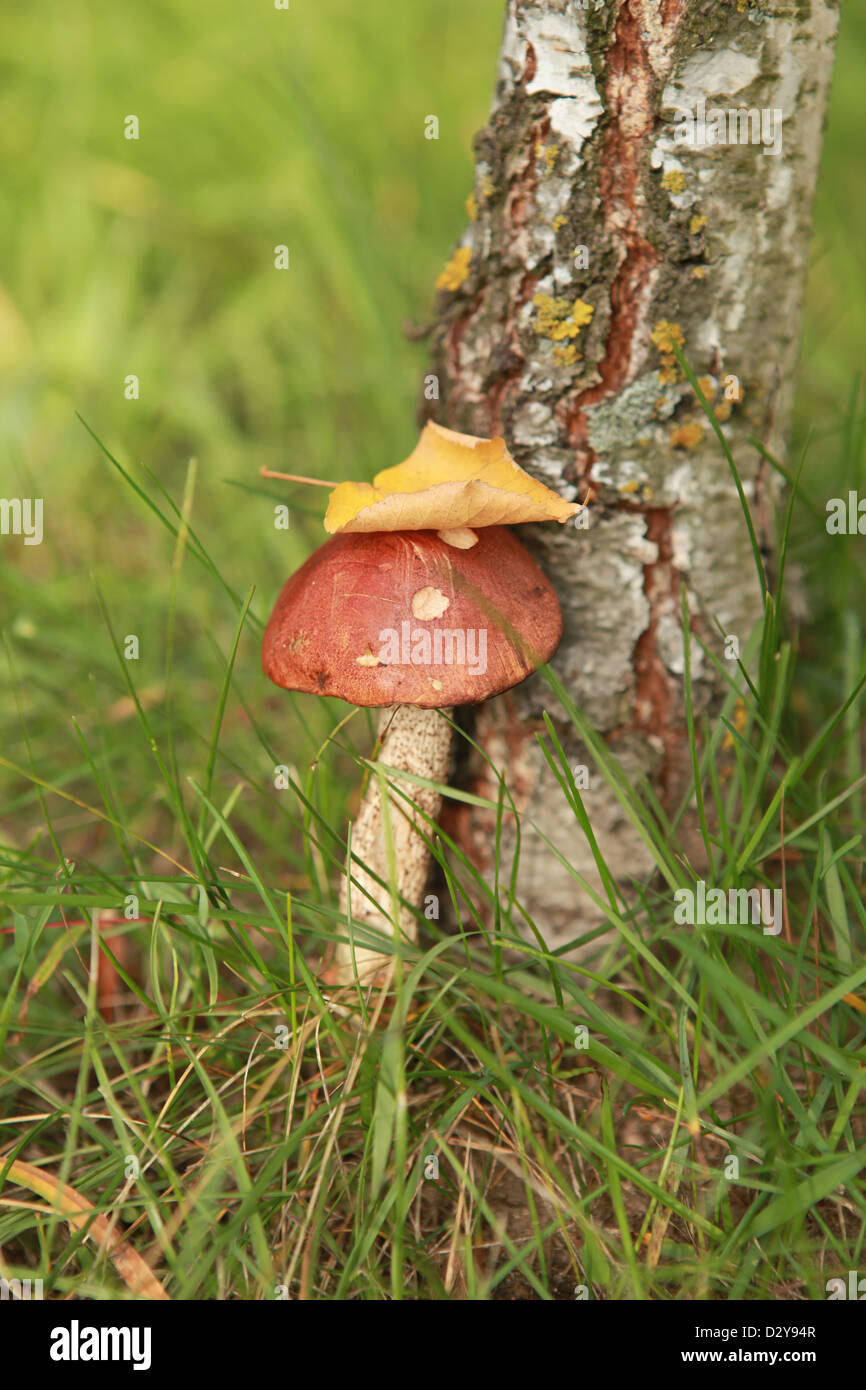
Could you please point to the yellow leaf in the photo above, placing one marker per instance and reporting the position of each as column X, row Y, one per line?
column 449, row 480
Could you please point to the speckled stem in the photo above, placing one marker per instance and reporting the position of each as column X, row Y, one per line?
column 416, row 741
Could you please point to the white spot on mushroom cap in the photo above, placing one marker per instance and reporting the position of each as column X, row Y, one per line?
column 429, row 603
column 461, row 537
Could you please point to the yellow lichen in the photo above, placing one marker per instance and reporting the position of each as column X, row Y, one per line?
column 687, row 436
column 456, row 271
column 565, row 355
column 631, row 486
column 559, row 221
column 698, row 221
column 699, row 272
column 472, row 208
column 558, row 318
column 674, row 181
column 722, row 410
column 550, row 156
column 708, row 386
column 665, row 335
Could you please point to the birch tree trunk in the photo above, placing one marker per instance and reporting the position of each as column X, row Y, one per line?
column 601, row 229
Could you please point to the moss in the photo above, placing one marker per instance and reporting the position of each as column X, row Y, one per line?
column 724, row 24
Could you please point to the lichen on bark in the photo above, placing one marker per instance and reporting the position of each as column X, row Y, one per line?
column 584, row 196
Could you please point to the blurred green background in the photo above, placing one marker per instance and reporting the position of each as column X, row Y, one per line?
column 154, row 257
column 258, row 127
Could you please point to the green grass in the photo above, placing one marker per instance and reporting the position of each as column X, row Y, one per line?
column 280, row 1136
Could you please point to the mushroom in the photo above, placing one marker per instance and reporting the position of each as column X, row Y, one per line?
column 410, row 608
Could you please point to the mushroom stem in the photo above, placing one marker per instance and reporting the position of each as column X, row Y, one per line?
column 417, row 741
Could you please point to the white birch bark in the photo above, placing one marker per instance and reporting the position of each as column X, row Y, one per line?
column 581, row 150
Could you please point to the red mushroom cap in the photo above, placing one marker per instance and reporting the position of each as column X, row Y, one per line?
column 404, row 617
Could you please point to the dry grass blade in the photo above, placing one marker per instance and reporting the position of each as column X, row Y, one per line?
column 136, row 1275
